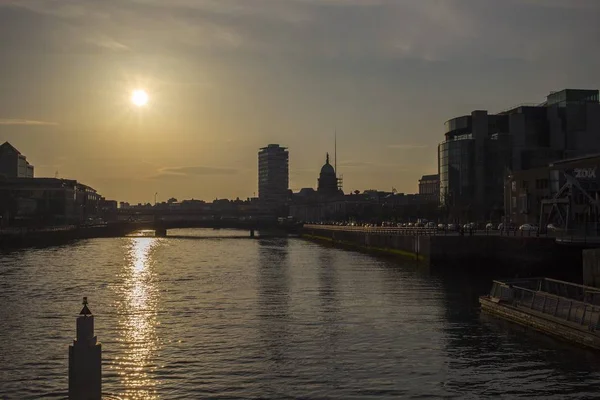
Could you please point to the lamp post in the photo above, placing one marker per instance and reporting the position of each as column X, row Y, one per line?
column 155, row 194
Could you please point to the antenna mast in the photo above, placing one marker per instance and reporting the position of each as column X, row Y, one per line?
column 335, row 150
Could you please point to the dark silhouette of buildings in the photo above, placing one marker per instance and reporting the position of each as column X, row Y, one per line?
column 481, row 149
column 47, row 201
column 328, row 181
column 564, row 193
column 273, row 174
column 13, row 164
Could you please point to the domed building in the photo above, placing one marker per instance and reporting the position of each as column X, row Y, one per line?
column 328, row 183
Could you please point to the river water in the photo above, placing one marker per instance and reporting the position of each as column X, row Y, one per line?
column 198, row 316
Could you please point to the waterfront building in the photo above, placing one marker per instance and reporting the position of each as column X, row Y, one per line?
column 481, row 149
column 429, row 186
column 564, row 193
column 46, row 201
column 13, row 164
column 273, row 174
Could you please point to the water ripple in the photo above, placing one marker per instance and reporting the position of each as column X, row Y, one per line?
column 228, row 318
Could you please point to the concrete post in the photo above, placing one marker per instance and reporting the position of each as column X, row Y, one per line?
column 591, row 267
column 251, row 232
column 85, row 360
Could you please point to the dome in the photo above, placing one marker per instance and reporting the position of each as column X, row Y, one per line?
column 327, row 169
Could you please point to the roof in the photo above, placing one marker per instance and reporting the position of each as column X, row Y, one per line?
column 273, row 146
column 430, row 177
column 327, row 169
column 10, row 146
column 570, row 160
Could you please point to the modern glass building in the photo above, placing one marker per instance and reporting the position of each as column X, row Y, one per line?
column 472, row 163
column 480, row 150
column 457, row 173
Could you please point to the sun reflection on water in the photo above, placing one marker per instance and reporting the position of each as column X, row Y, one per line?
column 137, row 307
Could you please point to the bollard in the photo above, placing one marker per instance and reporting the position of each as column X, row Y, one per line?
column 85, row 360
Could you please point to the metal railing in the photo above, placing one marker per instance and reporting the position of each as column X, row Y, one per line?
column 532, row 294
column 561, row 236
column 422, row 231
column 387, row 230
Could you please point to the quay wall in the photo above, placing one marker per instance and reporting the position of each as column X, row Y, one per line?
column 522, row 256
column 50, row 237
column 550, row 325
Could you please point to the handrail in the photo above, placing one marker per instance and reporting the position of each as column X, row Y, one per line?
column 548, row 294
column 375, row 229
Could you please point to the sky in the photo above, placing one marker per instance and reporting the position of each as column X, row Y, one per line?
column 226, row 77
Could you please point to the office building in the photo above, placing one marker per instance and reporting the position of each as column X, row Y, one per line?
column 273, row 174
column 429, row 185
column 46, row 201
column 13, row 164
column 480, row 150
column 563, row 193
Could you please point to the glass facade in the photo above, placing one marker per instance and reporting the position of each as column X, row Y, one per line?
column 457, row 174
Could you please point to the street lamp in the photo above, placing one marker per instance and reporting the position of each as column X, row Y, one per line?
column 155, row 194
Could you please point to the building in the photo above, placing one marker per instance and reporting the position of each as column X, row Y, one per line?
column 46, row 201
column 13, row 164
column 481, row 149
column 328, row 181
column 273, row 174
column 429, row 185
column 565, row 193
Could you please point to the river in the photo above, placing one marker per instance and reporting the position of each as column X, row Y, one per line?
column 197, row 316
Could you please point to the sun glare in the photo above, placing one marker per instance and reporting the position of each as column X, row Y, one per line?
column 139, row 97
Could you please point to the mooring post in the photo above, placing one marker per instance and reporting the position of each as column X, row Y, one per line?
column 85, row 360
column 251, row 232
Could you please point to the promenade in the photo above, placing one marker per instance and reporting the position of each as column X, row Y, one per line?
column 521, row 252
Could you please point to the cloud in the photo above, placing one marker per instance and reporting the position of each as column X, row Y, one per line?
column 197, row 170
column 29, row 122
column 370, row 165
column 355, row 164
column 429, row 30
column 407, row 146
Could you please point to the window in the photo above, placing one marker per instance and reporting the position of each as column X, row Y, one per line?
column 541, row 184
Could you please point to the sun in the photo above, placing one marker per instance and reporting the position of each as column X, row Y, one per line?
column 139, row 97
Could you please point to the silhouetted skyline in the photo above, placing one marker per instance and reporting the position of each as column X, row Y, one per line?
column 226, row 78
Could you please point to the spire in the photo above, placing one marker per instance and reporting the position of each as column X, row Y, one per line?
column 85, row 310
column 327, row 159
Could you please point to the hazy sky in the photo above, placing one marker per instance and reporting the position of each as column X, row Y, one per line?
column 226, row 77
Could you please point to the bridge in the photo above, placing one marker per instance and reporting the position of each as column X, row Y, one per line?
column 163, row 219
column 161, row 226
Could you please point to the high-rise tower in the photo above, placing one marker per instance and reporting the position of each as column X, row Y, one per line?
column 273, row 174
